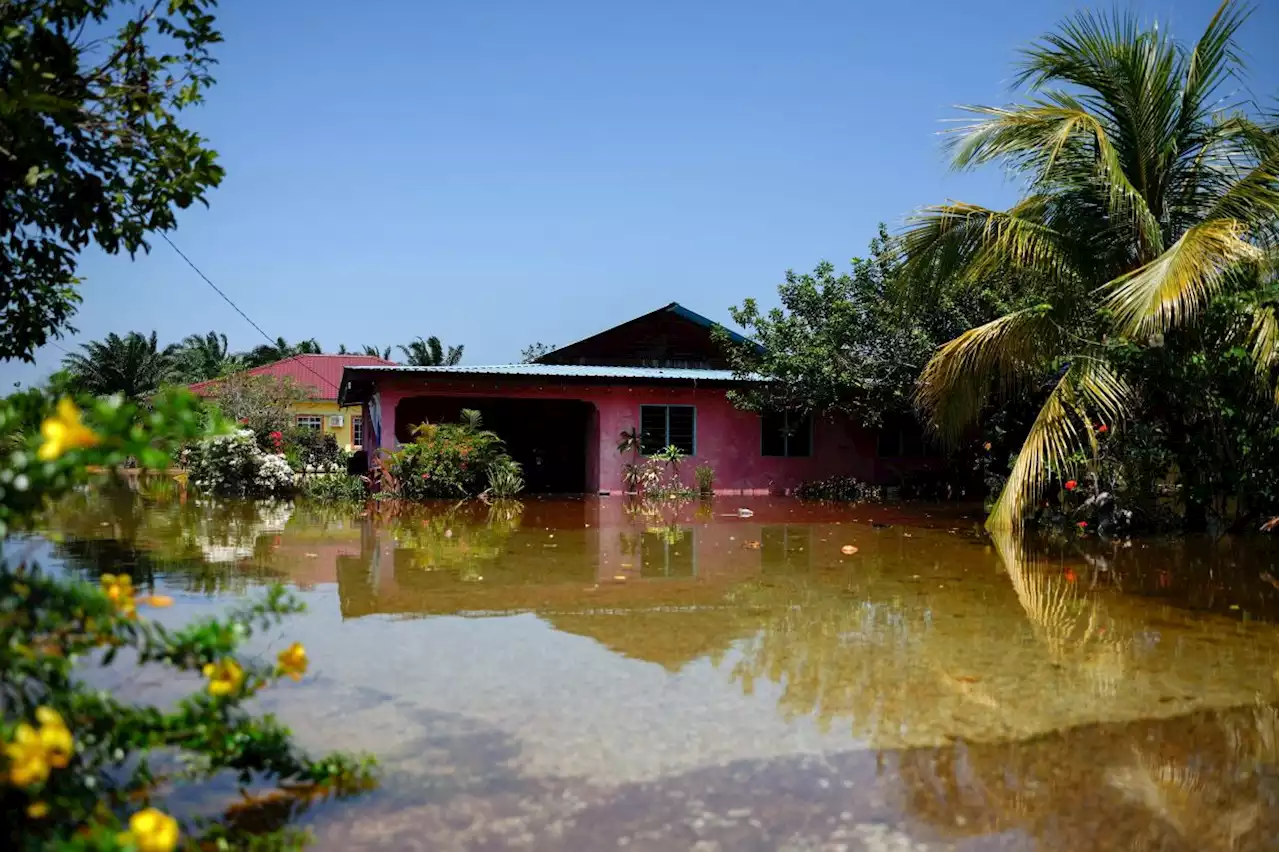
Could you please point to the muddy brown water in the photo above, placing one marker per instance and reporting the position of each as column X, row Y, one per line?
column 593, row 674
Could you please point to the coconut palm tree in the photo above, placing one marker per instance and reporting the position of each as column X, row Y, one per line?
column 1147, row 196
column 430, row 353
column 201, row 357
column 279, row 350
column 133, row 365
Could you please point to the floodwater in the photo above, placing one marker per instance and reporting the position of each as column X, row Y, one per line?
column 597, row 675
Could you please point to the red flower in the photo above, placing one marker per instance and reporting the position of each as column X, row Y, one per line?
column 463, row 452
column 464, row 465
column 277, row 434
column 1070, row 575
column 1070, row 485
column 426, row 476
column 1083, row 524
column 1102, row 428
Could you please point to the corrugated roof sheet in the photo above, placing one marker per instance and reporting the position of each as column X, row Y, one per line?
column 568, row 371
column 323, row 373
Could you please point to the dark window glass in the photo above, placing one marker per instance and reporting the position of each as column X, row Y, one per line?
column 786, row 434
column 664, row 425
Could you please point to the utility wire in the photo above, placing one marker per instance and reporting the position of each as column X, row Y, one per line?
column 228, row 300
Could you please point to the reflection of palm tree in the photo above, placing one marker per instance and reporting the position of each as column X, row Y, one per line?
column 1184, row 799
column 1067, row 621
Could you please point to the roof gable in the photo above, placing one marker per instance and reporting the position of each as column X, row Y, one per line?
column 321, row 373
column 672, row 336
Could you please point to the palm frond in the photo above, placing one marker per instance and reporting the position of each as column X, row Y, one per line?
column 1176, row 286
column 1088, row 388
column 1057, row 137
column 994, row 358
column 967, row 241
column 1213, row 59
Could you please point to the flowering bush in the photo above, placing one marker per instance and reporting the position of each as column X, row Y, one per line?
column 448, row 460
column 76, row 763
column 233, row 465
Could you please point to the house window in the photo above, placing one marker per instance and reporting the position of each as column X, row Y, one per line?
column 310, row 421
column 786, row 434
column 357, row 431
column 662, row 426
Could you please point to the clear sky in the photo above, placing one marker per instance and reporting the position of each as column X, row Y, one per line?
column 497, row 173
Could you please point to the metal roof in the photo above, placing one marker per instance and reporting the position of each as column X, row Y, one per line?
column 575, row 371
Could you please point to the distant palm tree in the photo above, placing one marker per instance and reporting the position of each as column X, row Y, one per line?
column 133, row 365
column 279, row 350
column 201, row 357
column 375, row 352
column 430, row 353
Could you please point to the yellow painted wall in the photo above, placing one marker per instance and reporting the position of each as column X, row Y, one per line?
column 325, row 408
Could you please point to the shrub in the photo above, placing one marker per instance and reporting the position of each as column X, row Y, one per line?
column 445, row 460
column 79, row 764
column 838, row 488
column 505, row 480
column 705, row 477
column 234, row 466
column 261, row 404
column 335, row 488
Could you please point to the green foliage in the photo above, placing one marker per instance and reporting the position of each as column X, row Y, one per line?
column 93, row 148
column 705, row 477
column 132, row 365
column 1149, row 200
column 82, row 768
column 335, row 488
column 430, row 353
column 269, row 353
column 454, row 539
column 446, row 460
column 505, row 480
column 199, row 358
column 842, row 343
column 838, row 488
column 103, row 432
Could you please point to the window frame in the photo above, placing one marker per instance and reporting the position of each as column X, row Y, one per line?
column 319, row 418
column 693, row 438
column 786, row 436
column 357, row 423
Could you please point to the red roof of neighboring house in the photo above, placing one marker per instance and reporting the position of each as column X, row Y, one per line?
column 322, row 373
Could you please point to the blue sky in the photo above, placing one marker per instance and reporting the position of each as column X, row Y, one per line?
column 498, row 173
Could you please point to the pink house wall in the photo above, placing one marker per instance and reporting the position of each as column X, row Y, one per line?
column 727, row 438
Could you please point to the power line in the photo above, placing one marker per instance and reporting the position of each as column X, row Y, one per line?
column 228, row 300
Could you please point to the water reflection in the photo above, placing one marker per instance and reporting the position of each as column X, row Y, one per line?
column 1059, row 695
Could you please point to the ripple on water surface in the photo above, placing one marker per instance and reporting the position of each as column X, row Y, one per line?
column 590, row 674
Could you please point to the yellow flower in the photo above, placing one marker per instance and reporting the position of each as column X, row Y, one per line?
column 28, row 762
column 225, row 677
column 152, row 830
column 55, row 737
column 64, row 431
column 119, row 589
column 38, row 810
column 293, row 661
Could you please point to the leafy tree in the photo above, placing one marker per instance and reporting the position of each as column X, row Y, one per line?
column 534, row 351
column 430, row 353
column 92, row 149
column 839, row 342
column 132, row 365
column 1150, row 203
column 261, row 403
column 268, row 353
column 202, row 357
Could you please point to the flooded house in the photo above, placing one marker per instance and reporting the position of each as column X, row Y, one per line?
column 663, row 375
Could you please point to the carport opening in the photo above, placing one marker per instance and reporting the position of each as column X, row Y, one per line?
column 549, row 437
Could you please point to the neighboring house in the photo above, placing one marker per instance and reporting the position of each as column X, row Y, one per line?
column 660, row 374
column 320, row 374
